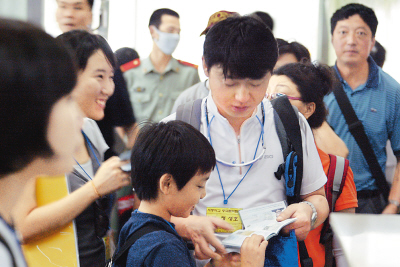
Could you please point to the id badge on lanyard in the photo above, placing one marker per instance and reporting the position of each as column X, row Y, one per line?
column 230, row 215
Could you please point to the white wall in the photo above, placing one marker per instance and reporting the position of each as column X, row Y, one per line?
column 294, row 20
column 15, row 9
column 130, row 18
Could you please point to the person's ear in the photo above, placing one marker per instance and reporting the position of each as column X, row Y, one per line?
column 153, row 32
column 167, row 184
column 205, row 68
column 88, row 20
column 372, row 44
column 309, row 110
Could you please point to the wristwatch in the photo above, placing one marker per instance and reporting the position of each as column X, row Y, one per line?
column 314, row 213
column 396, row 203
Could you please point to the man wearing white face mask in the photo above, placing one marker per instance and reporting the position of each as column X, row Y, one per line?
column 154, row 83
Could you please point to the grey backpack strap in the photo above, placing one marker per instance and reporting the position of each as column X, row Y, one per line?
column 337, row 180
column 190, row 112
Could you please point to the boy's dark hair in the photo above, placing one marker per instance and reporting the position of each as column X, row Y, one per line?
column 84, row 44
column 125, row 55
column 266, row 18
column 175, row 148
column 298, row 50
column 366, row 13
column 243, row 46
column 313, row 83
column 378, row 54
column 155, row 18
column 35, row 72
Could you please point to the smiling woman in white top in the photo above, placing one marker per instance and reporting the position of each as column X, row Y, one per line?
column 92, row 179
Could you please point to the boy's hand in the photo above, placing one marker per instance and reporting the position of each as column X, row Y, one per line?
column 252, row 254
column 252, row 251
column 227, row 260
column 200, row 230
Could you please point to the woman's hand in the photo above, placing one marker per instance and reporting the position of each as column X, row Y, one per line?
column 110, row 177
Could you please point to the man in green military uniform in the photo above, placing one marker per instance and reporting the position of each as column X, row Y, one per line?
column 156, row 82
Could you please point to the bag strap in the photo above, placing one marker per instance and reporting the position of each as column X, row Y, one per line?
column 123, row 251
column 290, row 121
column 190, row 112
column 289, row 118
column 356, row 128
column 337, row 174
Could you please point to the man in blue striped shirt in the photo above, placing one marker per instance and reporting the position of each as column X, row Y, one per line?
column 375, row 97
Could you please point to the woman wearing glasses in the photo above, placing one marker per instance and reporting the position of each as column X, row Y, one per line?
column 293, row 52
column 92, row 179
column 305, row 85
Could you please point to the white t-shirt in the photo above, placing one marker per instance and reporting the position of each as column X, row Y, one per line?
column 260, row 186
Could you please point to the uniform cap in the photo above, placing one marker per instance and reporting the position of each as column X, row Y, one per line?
column 217, row 17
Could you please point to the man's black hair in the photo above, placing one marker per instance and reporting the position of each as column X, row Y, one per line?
column 366, row 13
column 266, row 18
column 125, row 55
column 84, row 44
column 243, row 46
column 90, row 2
column 35, row 72
column 298, row 50
column 155, row 18
column 378, row 54
column 174, row 148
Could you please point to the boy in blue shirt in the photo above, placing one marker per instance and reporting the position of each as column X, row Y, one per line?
column 171, row 163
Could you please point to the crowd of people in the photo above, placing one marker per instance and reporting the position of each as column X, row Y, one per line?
column 201, row 151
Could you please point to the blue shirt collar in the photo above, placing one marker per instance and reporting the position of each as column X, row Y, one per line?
column 373, row 76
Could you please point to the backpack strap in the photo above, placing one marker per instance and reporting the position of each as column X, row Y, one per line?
column 292, row 148
column 190, row 112
column 290, row 120
column 337, row 174
column 338, row 171
column 122, row 253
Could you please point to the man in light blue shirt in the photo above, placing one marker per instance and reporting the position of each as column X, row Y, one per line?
column 375, row 97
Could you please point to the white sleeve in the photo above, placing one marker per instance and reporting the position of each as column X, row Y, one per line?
column 313, row 173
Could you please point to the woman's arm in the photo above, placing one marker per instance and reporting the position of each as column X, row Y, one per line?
column 35, row 222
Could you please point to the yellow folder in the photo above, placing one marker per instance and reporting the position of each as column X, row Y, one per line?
column 59, row 249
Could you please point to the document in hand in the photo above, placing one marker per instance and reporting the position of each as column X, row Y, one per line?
column 259, row 221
